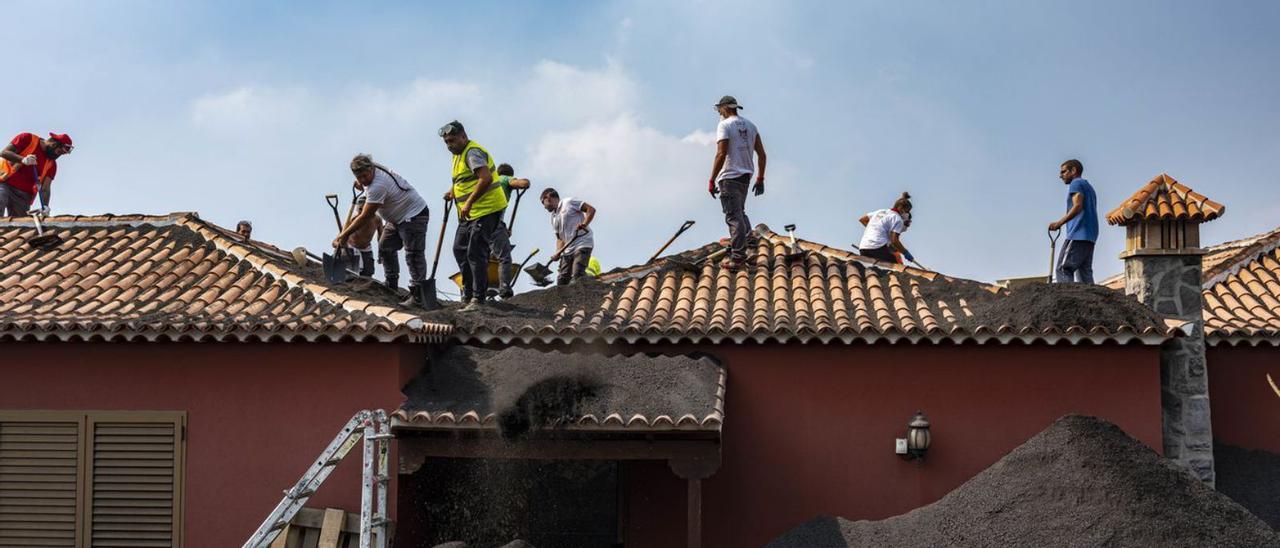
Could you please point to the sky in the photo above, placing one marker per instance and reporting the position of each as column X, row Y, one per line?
column 252, row 110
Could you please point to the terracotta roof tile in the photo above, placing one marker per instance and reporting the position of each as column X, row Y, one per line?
column 174, row 277
column 1165, row 199
column 827, row 295
column 1242, row 290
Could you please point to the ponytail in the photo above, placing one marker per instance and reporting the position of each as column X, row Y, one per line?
column 903, row 204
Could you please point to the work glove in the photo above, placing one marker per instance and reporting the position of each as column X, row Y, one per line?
column 759, row 187
column 29, row 160
column 711, row 187
column 907, row 255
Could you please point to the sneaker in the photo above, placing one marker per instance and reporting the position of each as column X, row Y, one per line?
column 473, row 305
column 730, row 264
column 506, row 293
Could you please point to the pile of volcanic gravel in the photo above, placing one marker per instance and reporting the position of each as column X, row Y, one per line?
column 536, row 308
column 528, row 389
column 1041, row 306
column 1080, row 482
column 1251, row 478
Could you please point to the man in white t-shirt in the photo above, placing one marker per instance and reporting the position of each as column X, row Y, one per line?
column 405, row 217
column 570, row 219
column 736, row 139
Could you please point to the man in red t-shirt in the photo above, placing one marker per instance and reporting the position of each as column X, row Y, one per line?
column 26, row 155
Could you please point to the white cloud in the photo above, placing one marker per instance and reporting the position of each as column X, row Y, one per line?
column 249, row 108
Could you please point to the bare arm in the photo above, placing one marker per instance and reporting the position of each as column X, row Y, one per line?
column 897, row 243
column 10, row 153
column 365, row 217
column 482, row 186
column 589, row 213
column 1077, row 205
column 519, row 184
column 760, row 155
column 722, row 152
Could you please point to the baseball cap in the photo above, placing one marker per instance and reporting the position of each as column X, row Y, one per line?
column 728, row 101
column 62, row 138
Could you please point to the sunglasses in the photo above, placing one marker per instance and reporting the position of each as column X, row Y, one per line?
column 448, row 129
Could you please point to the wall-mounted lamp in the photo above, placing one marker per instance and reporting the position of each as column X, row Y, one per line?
column 918, row 438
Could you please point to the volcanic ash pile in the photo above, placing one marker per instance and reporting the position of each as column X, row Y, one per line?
column 1081, row 482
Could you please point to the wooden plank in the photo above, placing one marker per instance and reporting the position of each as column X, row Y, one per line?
column 694, row 523
column 282, row 538
column 331, row 529
column 308, row 538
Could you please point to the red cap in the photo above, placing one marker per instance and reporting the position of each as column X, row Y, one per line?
column 61, row 138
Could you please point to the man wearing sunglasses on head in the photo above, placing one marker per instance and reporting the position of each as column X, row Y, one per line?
column 480, row 203
column 20, row 161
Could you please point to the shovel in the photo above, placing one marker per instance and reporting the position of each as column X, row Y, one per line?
column 795, row 253
column 511, row 225
column 541, row 273
column 683, row 227
column 428, row 287
column 516, row 276
column 1053, row 250
column 41, row 240
column 336, row 265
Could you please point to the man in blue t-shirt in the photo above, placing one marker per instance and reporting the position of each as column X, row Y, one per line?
column 1075, row 261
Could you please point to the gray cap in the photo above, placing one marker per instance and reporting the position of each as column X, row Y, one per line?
column 728, row 101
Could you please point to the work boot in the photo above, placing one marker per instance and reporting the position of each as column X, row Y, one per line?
column 393, row 282
column 505, row 272
column 414, row 298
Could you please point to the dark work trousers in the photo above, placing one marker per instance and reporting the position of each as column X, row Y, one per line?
column 500, row 250
column 884, row 253
column 1075, row 262
column 573, row 265
column 733, row 200
column 411, row 235
column 14, row 202
column 471, row 249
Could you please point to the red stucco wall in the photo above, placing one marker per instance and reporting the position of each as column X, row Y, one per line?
column 257, row 414
column 1244, row 406
column 810, row 430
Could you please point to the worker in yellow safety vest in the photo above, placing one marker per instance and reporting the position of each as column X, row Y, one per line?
column 480, row 203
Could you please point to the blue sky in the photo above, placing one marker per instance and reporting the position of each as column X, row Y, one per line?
column 252, row 110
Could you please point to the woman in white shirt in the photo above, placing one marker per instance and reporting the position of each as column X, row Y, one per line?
column 883, row 229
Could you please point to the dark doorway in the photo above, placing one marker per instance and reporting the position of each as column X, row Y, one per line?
column 490, row 502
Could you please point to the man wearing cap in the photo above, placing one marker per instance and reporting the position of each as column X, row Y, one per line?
column 500, row 248
column 26, row 155
column 736, row 139
column 480, row 204
column 405, row 214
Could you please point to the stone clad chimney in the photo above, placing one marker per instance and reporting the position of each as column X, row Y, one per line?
column 1162, row 269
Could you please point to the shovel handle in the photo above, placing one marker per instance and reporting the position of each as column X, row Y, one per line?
column 444, row 224
column 511, row 225
column 332, row 200
column 522, row 264
column 683, row 227
column 1053, row 250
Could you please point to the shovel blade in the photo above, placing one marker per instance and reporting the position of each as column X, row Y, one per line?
column 335, row 269
column 539, row 274
column 427, row 292
column 47, row 241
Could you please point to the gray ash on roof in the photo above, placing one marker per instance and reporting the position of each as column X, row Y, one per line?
column 1041, row 306
column 1080, row 482
column 531, row 390
column 538, row 307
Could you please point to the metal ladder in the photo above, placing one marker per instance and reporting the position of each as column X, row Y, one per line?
column 375, row 429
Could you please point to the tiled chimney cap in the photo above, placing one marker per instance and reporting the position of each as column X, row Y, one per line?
column 1165, row 199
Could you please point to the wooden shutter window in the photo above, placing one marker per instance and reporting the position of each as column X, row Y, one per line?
column 134, row 483
column 39, row 474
